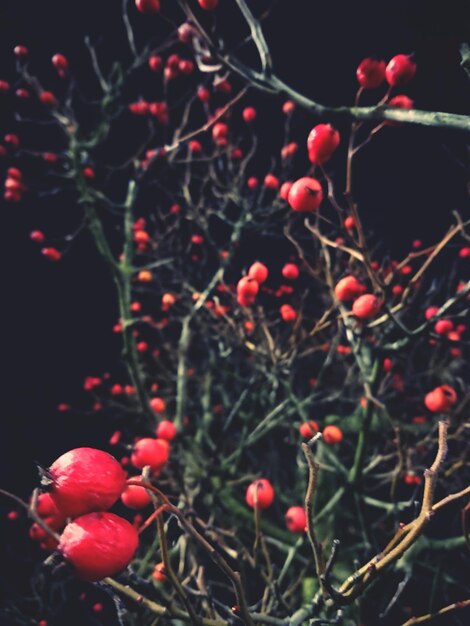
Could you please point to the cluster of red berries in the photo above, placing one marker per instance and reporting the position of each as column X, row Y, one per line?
column 399, row 71
column 260, row 495
column 14, row 185
column 331, row 434
column 350, row 289
column 158, row 110
column 82, row 485
column 49, row 253
column 248, row 287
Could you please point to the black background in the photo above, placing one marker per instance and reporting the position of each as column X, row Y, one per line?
column 57, row 318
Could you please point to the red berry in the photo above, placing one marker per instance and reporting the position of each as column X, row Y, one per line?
column 400, row 70
column 220, row 133
column 349, row 288
column 271, row 181
column 441, row 399
column 349, row 222
column 332, row 435
column 195, row 147
column 285, row 189
column 21, row 51
column 152, row 452
column 249, row 114
column 12, row 140
column 37, row 236
column 98, row 545
column 48, row 511
column 290, row 271
column 52, row 254
column 159, row 573
column 85, row 480
column 148, row 6
column 296, row 519
column 4, row 86
column 431, row 311
column 371, row 73
column 135, row 497
column 288, row 107
column 366, row 306
column 464, row 253
column 89, row 173
column 158, row 405
column 247, row 290
column 321, row 143
column 399, row 102
column 155, row 63
column 288, row 313
column 306, row 194
column 186, row 67
column 48, row 98
column 166, row 430
column 59, row 61
column 203, row 94
column 208, row 5
column 260, row 491
column 289, row 150
column 258, row 272
column 443, row 327
column 308, row 429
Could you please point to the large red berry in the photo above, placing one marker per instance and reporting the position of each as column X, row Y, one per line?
column 152, row 452
column 441, row 399
column 306, row 194
column 296, row 519
column 366, row 306
column 260, row 494
column 400, row 70
column 85, row 480
column 321, row 143
column 370, row 73
column 98, row 545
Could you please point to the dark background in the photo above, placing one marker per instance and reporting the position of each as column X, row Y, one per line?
column 57, row 318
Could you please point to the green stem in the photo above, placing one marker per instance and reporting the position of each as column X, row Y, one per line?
column 121, row 273
column 181, row 374
column 355, row 475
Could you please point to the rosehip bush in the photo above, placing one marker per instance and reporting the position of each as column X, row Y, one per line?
column 287, row 429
